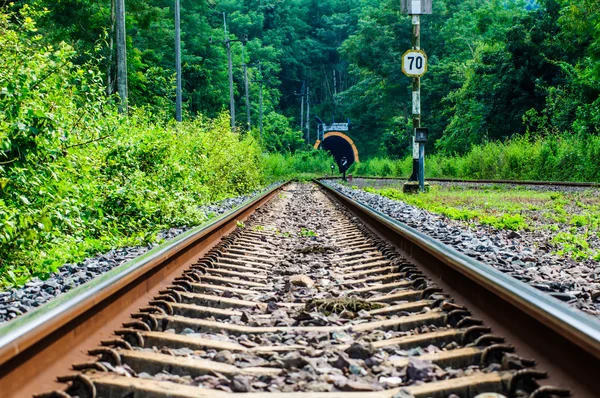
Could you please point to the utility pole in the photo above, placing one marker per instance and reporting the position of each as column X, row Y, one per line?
column 307, row 126
column 416, row 95
column 302, row 94
column 178, row 99
column 230, row 67
column 260, row 93
column 414, row 65
column 334, row 82
column 121, row 55
column 260, row 99
column 111, row 45
column 249, row 122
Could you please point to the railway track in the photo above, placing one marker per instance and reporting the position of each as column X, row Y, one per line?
column 509, row 182
column 302, row 292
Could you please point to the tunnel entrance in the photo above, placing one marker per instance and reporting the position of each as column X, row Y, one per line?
column 340, row 146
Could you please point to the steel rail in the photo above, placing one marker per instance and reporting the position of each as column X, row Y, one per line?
column 564, row 341
column 508, row 182
column 34, row 346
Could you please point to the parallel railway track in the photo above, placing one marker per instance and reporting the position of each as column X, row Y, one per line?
column 302, row 292
column 487, row 181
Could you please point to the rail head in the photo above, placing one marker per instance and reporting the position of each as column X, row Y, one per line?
column 574, row 325
column 23, row 332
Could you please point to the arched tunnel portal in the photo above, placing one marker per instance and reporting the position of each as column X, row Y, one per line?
column 340, row 146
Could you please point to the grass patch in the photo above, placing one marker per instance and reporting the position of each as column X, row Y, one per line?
column 307, row 233
column 572, row 218
column 491, row 207
column 574, row 245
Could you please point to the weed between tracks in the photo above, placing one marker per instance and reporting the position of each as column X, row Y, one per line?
column 571, row 219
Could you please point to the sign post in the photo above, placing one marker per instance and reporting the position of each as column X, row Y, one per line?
column 414, row 64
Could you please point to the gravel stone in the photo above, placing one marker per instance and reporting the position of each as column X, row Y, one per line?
column 37, row 292
column 302, row 281
column 524, row 256
column 359, row 351
column 340, row 361
column 224, row 356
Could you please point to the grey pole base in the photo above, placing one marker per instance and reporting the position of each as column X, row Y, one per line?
column 413, row 187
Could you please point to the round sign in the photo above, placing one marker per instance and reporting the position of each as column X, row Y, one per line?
column 414, row 63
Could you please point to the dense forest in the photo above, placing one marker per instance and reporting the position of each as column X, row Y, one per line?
column 497, row 67
column 512, row 91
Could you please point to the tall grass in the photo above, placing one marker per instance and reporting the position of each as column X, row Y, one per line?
column 552, row 158
column 299, row 165
column 382, row 167
column 558, row 157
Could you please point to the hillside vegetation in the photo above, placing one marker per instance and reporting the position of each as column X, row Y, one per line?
column 497, row 68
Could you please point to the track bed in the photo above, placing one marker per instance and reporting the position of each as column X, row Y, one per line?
column 303, row 298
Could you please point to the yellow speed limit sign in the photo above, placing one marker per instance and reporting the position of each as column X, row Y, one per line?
column 414, row 63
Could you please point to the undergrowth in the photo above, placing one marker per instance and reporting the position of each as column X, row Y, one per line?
column 77, row 178
column 558, row 157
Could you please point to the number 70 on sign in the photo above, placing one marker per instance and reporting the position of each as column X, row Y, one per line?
column 414, row 63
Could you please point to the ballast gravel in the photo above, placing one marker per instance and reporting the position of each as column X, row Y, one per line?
column 305, row 261
column 523, row 256
column 18, row 301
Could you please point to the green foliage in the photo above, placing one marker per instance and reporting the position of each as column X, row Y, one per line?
column 301, row 165
column 382, row 167
column 572, row 218
column 279, row 136
column 77, row 179
column 497, row 68
column 558, row 157
column 307, row 233
column 455, row 206
column 574, row 245
column 563, row 157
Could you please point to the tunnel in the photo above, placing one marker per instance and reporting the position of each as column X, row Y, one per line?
column 340, row 146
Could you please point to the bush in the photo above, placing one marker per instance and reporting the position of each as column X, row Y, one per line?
column 76, row 178
column 279, row 136
column 557, row 157
column 382, row 167
column 299, row 165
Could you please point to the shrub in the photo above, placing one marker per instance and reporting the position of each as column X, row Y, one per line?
column 558, row 157
column 76, row 178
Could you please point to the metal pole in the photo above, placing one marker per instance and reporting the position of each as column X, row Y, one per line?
column 422, row 166
column 308, row 113
column 334, row 83
column 249, row 122
column 121, row 55
column 302, row 95
column 260, row 93
column 230, row 66
column 178, row 99
column 416, row 96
